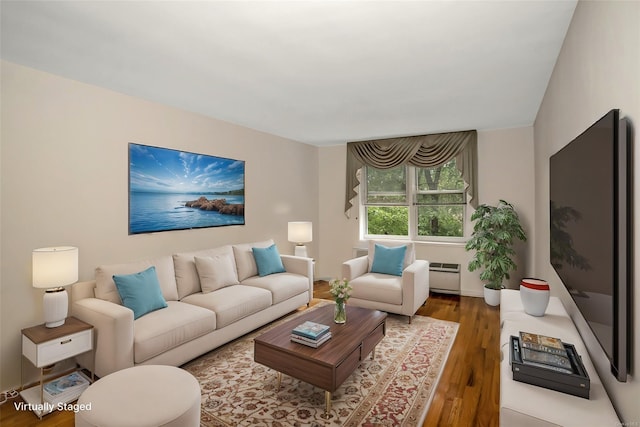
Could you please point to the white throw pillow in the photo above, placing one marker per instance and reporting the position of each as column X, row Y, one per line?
column 216, row 272
column 187, row 277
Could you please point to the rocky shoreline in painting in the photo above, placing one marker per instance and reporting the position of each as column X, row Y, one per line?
column 219, row 205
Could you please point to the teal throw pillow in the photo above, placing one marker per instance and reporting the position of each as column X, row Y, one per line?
column 268, row 260
column 140, row 291
column 388, row 260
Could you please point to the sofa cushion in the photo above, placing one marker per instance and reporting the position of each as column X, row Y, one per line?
column 268, row 260
column 232, row 303
column 216, row 272
column 281, row 285
column 162, row 330
column 106, row 287
column 378, row 287
column 187, row 278
column 140, row 292
column 388, row 260
column 245, row 261
column 409, row 255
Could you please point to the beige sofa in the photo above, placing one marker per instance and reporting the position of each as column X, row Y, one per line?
column 194, row 321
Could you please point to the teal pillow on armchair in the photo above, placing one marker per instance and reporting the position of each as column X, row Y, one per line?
column 388, row 260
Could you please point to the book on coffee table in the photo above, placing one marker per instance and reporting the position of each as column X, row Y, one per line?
column 311, row 330
column 309, row 342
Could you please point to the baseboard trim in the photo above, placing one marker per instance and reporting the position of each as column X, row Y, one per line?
column 471, row 293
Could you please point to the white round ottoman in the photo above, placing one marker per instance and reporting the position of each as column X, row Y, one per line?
column 142, row 396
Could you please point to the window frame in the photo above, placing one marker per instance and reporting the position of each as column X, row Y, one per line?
column 411, row 194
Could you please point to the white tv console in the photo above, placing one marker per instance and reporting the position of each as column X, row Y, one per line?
column 526, row 405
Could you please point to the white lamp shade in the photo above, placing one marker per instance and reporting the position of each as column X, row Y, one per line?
column 300, row 231
column 54, row 267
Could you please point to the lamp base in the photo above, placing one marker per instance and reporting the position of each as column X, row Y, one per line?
column 55, row 305
column 301, row 250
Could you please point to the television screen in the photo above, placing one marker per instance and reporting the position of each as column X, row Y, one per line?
column 177, row 190
column 588, row 214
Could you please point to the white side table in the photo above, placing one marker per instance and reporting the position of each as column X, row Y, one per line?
column 43, row 347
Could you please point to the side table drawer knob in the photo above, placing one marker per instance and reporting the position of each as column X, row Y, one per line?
column 66, row 341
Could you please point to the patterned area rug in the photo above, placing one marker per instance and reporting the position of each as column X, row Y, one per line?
column 394, row 389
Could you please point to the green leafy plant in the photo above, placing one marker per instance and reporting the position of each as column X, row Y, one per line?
column 494, row 231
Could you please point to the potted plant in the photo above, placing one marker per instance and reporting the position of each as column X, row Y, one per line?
column 494, row 232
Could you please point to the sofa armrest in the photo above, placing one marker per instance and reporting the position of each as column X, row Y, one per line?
column 113, row 335
column 82, row 290
column 415, row 285
column 299, row 265
column 355, row 267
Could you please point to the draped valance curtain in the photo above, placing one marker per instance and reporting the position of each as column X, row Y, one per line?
column 422, row 151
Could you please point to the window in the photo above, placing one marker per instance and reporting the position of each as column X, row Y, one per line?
column 416, row 203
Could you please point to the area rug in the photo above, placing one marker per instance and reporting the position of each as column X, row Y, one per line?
column 394, row 389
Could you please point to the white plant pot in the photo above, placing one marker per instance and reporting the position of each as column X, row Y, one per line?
column 492, row 296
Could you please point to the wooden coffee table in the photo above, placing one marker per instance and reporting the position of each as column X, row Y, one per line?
column 334, row 361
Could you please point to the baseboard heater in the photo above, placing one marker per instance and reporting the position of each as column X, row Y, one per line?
column 444, row 277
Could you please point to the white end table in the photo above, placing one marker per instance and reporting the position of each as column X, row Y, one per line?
column 44, row 347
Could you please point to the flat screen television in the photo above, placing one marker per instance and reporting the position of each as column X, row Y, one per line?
column 591, row 228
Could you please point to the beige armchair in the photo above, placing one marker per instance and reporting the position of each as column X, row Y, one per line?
column 388, row 282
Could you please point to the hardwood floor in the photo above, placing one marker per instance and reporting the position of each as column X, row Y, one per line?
column 468, row 393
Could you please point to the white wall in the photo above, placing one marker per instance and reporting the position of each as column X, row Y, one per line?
column 598, row 69
column 505, row 170
column 64, row 182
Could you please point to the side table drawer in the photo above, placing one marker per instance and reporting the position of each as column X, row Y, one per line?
column 53, row 351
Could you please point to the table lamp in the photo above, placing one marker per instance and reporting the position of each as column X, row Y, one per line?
column 300, row 232
column 54, row 268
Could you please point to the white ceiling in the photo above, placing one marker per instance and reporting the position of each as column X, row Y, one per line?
column 320, row 72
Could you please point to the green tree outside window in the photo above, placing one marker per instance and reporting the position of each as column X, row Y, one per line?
column 432, row 199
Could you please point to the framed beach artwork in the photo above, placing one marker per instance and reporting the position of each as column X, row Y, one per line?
column 178, row 190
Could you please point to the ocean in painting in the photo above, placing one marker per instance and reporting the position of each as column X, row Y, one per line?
column 150, row 212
